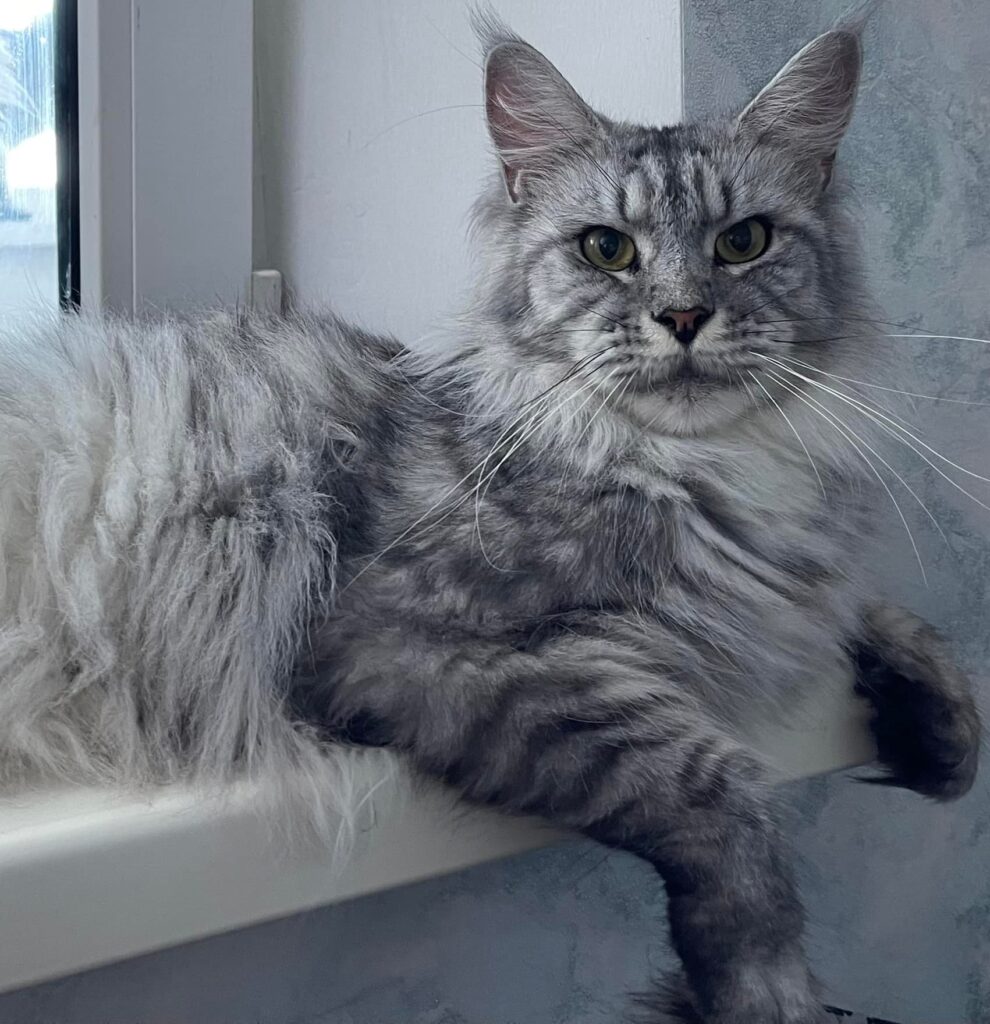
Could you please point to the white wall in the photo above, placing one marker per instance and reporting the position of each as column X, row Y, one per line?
column 365, row 182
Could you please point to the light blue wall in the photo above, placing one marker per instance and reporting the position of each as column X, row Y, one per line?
column 899, row 891
column 555, row 937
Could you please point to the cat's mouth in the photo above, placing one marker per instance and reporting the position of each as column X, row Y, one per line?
column 685, row 374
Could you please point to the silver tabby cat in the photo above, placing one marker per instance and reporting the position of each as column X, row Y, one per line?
column 553, row 566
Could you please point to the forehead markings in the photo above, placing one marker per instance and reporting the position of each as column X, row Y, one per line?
column 673, row 184
column 726, row 200
column 636, row 195
column 700, row 182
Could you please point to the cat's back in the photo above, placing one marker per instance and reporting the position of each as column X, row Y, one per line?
column 230, row 366
column 110, row 426
column 172, row 492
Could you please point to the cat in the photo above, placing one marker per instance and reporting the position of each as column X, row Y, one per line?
column 553, row 566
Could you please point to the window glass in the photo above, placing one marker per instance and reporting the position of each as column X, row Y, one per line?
column 28, row 249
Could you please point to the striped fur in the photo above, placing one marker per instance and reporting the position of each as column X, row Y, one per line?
column 558, row 564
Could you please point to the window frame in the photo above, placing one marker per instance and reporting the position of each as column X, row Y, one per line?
column 66, row 84
column 165, row 121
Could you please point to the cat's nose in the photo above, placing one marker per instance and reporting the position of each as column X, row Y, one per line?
column 684, row 324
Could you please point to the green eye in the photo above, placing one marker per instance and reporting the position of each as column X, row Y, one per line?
column 743, row 241
column 608, row 249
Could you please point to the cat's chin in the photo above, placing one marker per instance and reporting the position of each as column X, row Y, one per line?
column 687, row 408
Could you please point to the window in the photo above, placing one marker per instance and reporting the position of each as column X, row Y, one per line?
column 39, row 262
column 28, row 257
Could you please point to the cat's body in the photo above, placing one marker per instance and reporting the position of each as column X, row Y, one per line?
column 721, row 556
column 557, row 567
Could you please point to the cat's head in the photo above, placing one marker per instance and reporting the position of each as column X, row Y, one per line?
column 651, row 265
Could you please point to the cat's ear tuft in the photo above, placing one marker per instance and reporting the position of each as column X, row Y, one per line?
column 535, row 117
column 808, row 105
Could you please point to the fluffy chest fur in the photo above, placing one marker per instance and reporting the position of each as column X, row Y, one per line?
column 728, row 561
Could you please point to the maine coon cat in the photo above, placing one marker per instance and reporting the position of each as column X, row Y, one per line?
column 554, row 567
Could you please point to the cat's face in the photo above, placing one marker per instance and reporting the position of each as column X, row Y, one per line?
column 659, row 265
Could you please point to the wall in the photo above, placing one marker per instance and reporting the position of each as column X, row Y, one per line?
column 899, row 891
column 556, row 937
column 372, row 146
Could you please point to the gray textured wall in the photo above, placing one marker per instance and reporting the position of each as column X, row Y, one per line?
column 554, row 937
column 899, row 891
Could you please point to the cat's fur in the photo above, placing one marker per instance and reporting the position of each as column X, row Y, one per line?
column 554, row 567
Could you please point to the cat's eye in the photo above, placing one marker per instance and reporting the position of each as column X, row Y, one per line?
column 743, row 241
column 608, row 249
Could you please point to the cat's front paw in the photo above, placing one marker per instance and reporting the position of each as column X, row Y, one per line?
column 675, row 1003
column 925, row 722
column 927, row 743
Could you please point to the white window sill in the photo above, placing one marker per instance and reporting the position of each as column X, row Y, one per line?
column 89, row 877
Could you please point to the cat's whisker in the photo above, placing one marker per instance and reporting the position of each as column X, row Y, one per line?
column 858, row 444
column 835, row 318
column 920, row 454
column 604, row 316
column 415, row 117
column 879, row 387
column 443, row 408
column 876, row 415
column 852, row 387
column 793, row 388
column 627, row 381
column 581, row 365
column 464, row 498
column 745, row 384
column 512, row 431
column 882, row 323
column 775, row 337
column 773, row 298
column 404, row 535
column 486, row 481
column 940, row 337
column 623, row 384
column 794, row 430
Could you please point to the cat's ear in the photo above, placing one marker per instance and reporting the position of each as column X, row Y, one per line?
column 808, row 105
column 535, row 117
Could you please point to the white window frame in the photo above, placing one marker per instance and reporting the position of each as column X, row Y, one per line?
column 166, row 152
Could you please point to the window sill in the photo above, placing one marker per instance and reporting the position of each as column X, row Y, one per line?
column 89, row 877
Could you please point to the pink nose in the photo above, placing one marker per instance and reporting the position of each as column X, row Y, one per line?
column 684, row 324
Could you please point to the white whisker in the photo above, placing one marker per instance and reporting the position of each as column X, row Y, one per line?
column 939, row 337
column 518, row 441
column 604, row 402
column 856, row 441
column 880, row 387
column 582, row 366
column 872, row 412
column 787, row 420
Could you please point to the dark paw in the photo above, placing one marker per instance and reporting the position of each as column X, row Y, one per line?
column 928, row 738
column 674, row 1003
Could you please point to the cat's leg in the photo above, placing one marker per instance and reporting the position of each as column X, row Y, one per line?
column 582, row 734
column 926, row 723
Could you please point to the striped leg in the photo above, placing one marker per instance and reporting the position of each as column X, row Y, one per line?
column 582, row 733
